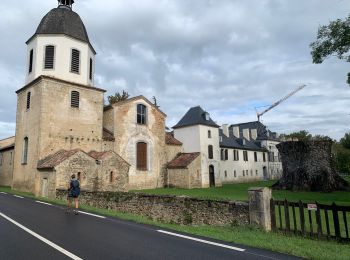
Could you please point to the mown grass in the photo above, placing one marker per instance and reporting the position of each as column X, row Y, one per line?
column 244, row 235
column 239, row 191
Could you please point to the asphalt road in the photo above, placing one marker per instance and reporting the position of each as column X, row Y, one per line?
column 31, row 230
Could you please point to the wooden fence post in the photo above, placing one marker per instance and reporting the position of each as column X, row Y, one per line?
column 336, row 221
column 273, row 214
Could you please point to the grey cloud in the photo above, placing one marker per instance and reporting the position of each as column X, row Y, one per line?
column 227, row 56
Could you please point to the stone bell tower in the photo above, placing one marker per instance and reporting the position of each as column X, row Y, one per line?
column 58, row 108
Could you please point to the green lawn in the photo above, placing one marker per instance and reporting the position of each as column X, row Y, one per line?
column 240, row 192
column 244, row 235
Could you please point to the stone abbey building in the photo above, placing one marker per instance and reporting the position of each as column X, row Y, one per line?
column 63, row 127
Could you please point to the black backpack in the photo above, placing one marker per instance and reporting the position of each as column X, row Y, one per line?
column 75, row 187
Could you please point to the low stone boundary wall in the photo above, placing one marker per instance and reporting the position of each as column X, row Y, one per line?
column 170, row 209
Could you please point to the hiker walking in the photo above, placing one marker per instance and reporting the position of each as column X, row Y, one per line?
column 73, row 193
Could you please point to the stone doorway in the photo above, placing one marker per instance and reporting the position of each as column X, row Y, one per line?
column 44, row 188
column 266, row 177
column 211, row 176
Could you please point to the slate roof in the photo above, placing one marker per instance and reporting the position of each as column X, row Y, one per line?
column 182, row 160
column 195, row 116
column 171, row 140
column 53, row 160
column 238, row 143
column 262, row 131
column 63, row 21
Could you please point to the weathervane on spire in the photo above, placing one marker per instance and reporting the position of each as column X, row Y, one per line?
column 65, row 3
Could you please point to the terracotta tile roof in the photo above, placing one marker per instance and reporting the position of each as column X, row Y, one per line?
column 183, row 160
column 8, row 147
column 98, row 155
column 171, row 140
column 108, row 135
column 133, row 99
column 53, row 160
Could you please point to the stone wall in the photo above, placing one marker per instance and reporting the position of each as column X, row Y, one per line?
column 170, row 209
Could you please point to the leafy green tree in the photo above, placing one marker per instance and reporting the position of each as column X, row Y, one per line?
column 302, row 135
column 345, row 141
column 332, row 39
column 117, row 97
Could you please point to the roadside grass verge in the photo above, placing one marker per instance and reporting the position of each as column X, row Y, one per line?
column 244, row 235
column 239, row 192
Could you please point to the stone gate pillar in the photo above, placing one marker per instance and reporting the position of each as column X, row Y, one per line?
column 259, row 207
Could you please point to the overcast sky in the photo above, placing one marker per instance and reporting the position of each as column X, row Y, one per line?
column 227, row 56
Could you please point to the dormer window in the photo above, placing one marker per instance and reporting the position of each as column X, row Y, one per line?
column 206, row 116
column 75, row 62
column 141, row 114
column 49, row 57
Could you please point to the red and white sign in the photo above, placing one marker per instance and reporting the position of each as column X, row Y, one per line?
column 311, row 206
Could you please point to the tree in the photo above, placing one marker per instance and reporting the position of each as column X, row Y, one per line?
column 332, row 39
column 302, row 135
column 345, row 141
column 117, row 97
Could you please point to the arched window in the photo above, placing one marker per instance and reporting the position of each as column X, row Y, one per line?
column 25, row 151
column 75, row 62
column 49, row 57
column 91, row 69
column 28, row 100
column 75, row 99
column 141, row 156
column 141, row 114
column 210, row 152
column 111, row 177
column 209, row 134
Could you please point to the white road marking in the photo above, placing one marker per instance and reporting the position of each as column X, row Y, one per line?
column 43, row 203
column 18, row 196
column 3, row 192
column 202, row 241
column 97, row 216
column 58, row 248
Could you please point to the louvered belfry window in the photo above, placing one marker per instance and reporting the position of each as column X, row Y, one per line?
column 28, row 100
column 49, row 57
column 141, row 155
column 74, row 101
column 75, row 64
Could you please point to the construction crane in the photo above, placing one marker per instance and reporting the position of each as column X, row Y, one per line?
column 279, row 102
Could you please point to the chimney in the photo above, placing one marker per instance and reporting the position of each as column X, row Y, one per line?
column 225, row 129
column 246, row 134
column 236, row 131
column 254, row 133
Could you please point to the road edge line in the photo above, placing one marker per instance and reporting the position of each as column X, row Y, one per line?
column 38, row 201
column 90, row 214
column 46, row 241
column 202, row 241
